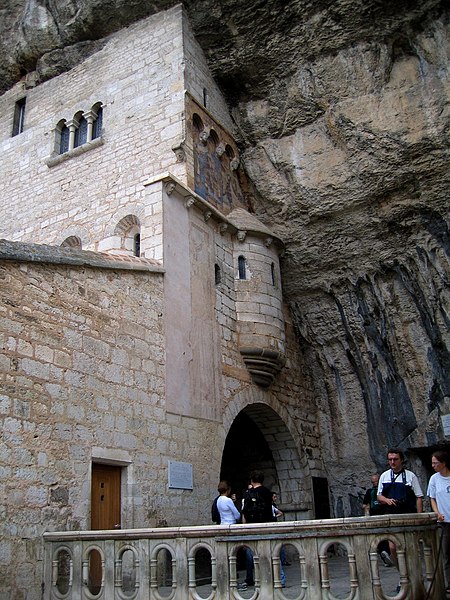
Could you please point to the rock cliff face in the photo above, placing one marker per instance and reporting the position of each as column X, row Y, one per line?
column 342, row 113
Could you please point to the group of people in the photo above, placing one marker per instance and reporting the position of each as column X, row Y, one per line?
column 257, row 506
column 398, row 491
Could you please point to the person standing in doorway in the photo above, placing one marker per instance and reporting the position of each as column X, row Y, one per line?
column 439, row 494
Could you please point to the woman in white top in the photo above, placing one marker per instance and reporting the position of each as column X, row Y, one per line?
column 439, row 494
column 229, row 514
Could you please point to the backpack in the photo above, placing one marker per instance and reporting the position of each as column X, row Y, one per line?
column 215, row 514
column 255, row 508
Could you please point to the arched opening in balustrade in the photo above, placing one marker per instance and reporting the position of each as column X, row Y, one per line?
column 127, row 575
column 244, row 569
column 163, row 572
column 95, row 565
column 291, row 572
column 386, row 569
column 63, row 571
column 336, row 567
column 202, row 571
column 259, row 439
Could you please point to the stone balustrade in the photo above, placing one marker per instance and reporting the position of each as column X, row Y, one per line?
column 183, row 563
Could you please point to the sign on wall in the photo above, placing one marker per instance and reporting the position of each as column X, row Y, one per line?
column 445, row 419
column 180, row 475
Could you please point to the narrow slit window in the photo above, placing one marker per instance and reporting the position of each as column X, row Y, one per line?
column 272, row 273
column 217, row 274
column 19, row 117
column 242, row 267
column 137, row 244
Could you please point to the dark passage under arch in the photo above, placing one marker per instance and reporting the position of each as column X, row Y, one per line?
column 259, row 439
column 245, row 450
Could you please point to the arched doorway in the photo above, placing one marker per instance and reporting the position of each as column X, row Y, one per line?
column 259, row 439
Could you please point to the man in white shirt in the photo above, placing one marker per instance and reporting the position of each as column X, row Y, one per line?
column 399, row 491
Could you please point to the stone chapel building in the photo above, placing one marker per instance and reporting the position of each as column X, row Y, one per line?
column 146, row 349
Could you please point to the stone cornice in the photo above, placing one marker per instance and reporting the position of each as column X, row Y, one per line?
column 55, row 255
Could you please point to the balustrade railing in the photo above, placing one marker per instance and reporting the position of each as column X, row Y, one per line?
column 327, row 559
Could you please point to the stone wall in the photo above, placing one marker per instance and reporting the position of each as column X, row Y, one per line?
column 82, row 379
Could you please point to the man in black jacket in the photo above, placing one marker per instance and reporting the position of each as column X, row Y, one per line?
column 257, row 508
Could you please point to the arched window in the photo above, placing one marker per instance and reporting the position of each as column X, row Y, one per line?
column 229, row 151
column 83, row 128
column 242, row 267
column 97, row 126
column 81, row 132
column 197, row 122
column 73, row 241
column 127, row 237
column 62, row 137
column 214, row 137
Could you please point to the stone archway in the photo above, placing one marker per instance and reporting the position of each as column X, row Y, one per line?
column 259, row 439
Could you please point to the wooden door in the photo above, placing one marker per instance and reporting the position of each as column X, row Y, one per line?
column 105, row 513
column 105, row 497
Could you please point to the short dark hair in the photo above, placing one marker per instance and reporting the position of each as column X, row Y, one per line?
column 442, row 457
column 396, row 451
column 223, row 487
column 257, row 477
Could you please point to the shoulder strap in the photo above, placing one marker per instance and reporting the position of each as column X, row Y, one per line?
column 402, row 473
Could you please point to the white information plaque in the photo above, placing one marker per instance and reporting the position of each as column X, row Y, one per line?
column 445, row 419
column 180, row 475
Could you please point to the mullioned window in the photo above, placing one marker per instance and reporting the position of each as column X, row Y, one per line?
column 82, row 132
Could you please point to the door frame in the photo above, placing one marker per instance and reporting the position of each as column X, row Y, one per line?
column 114, row 458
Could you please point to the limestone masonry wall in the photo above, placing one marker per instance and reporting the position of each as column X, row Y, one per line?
column 82, row 378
